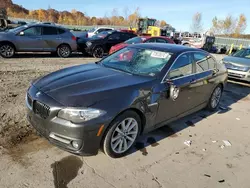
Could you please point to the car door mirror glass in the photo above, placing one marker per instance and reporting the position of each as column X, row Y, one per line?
column 21, row 33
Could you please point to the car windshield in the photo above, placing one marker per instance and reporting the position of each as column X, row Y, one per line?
column 102, row 35
column 243, row 53
column 138, row 61
column 134, row 40
column 17, row 29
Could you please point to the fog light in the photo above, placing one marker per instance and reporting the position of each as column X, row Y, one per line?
column 75, row 144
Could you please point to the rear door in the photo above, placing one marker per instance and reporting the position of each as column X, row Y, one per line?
column 182, row 76
column 112, row 40
column 31, row 40
column 51, row 38
column 206, row 72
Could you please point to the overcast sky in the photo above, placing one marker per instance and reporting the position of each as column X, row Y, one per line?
column 178, row 13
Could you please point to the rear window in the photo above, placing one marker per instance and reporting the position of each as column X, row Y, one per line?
column 61, row 31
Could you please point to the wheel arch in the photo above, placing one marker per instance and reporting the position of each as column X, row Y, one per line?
column 64, row 44
column 8, row 42
column 137, row 111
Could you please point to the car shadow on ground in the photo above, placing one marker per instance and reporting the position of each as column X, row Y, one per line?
column 48, row 55
column 232, row 94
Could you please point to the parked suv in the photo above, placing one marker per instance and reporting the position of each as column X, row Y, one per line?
column 100, row 44
column 37, row 38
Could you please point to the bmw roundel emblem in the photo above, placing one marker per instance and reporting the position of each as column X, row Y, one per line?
column 38, row 93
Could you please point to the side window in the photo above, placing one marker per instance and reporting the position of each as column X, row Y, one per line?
column 115, row 36
column 125, row 36
column 211, row 63
column 99, row 31
column 32, row 31
column 61, row 31
column 151, row 40
column 49, row 31
column 107, row 29
column 159, row 40
column 201, row 62
column 182, row 67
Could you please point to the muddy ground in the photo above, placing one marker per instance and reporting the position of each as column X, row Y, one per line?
column 15, row 77
column 159, row 159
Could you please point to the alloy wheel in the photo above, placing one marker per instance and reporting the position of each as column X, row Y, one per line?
column 7, row 51
column 64, row 51
column 216, row 97
column 124, row 135
column 98, row 52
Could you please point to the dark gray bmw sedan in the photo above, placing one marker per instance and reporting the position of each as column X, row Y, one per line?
column 108, row 104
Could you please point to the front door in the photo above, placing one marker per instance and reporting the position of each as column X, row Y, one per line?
column 181, row 75
column 30, row 40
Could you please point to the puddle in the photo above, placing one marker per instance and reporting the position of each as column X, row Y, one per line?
column 65, row 170
column 190, row 123
column 140, row 146
column 168, row 131
column 33, row 143
column 152, row 141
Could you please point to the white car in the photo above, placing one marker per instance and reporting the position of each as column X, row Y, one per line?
column 97, row 30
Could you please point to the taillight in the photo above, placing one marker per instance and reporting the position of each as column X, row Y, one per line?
column 73, row 38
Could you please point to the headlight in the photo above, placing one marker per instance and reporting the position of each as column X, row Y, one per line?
column 88, row 43
column 77, row 115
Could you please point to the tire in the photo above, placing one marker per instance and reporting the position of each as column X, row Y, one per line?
column 215, row 98
column 112, row 148
column 7, row 50
column 98, row 52
column 64, row 51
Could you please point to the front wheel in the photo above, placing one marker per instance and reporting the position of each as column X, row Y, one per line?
column 64, row 51
column 7, row 50
column 215, row 98
column 122, row 134
column 98, row 52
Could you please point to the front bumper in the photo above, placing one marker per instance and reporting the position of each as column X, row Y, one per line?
column 240, row 75
column 63, row 133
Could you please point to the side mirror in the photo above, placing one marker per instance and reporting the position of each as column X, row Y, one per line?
column 21, row 33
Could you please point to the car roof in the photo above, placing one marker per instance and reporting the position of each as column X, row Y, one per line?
column 172, row 48
column 45, row 25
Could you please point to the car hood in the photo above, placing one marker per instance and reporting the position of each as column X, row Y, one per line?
column 119, row 46
column 237, row 60
column 87, row 84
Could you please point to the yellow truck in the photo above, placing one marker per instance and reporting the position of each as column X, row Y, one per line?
column 146, row 26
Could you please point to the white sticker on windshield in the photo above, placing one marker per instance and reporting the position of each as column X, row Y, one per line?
column 157, row 54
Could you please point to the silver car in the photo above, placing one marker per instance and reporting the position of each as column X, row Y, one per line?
column 37, row 38
column 238, row 65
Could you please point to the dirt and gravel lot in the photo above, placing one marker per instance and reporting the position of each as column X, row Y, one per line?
column 159, row 159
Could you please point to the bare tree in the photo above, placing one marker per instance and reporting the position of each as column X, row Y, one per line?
column 197, row 25
column 241, row 25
